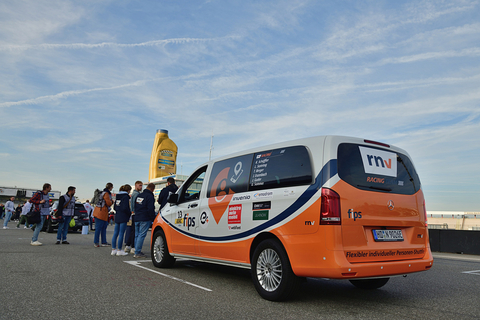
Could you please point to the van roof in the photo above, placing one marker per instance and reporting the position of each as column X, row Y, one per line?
column 302, row 141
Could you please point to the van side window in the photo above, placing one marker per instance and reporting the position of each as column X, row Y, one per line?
column 284, row 167
column 191, row 188
column 230, row 176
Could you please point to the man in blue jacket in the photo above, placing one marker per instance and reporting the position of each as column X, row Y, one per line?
column 166, row 192
column 144, row 216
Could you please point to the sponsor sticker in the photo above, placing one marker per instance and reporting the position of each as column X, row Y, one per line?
column 235, row 214
column 260, row 215
column 263, row 194
column 241, row 198
column 264, row 205
column 204, row 220
column 379, row 162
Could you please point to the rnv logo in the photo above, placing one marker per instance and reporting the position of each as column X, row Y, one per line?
column 379, row 161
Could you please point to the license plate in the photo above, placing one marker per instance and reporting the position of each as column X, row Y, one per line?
column 388, row 235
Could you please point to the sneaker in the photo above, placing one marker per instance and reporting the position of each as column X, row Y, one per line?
column 96, row 245
column 132, row 251
column 35, row 243
column 65, row 242
column 127, row 249
column 6, row 228
column 18, row 227
column 25, row 227
column 122, row 253
column 58, row 242
column 114, row 252
column 140, row 255
column 105, row 245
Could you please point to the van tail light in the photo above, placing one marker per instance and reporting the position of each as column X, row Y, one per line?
column 425, row 213
column 330, row 209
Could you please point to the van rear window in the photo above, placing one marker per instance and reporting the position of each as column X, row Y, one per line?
column 376, row 169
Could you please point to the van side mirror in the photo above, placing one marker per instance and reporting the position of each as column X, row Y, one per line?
column 173, row 198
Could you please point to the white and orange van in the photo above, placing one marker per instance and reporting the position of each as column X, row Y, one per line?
column 331, row 207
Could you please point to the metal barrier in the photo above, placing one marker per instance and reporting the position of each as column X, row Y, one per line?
column 455, row 241
column 439, row 226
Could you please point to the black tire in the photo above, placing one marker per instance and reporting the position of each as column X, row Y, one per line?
column 370, row 284
column 49, row 226
column 161, row 257
column 272, row 274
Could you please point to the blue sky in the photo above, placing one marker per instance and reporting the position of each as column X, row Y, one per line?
column 85, row 85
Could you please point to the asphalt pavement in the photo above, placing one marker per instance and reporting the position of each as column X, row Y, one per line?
column 78, row 281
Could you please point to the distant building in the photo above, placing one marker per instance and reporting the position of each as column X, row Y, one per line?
column 453, row 220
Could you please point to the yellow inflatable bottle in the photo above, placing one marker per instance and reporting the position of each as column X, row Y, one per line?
column 163, row 161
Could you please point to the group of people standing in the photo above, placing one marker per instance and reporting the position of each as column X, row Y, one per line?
column 135, row 213
column 134, row 216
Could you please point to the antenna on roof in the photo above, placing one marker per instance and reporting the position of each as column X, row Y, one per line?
column 211, row 148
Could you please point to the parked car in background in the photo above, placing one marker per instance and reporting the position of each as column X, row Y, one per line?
column 80, row 216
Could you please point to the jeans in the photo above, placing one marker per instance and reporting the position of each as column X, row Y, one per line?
column 91, row 223
column 118, row 233
column 38, row 227
column 8, row 216
column 100, row 230
column 141, row 229
column 63, row 228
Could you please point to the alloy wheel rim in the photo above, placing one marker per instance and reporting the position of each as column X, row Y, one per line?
column 158, row 249
column 269, row 270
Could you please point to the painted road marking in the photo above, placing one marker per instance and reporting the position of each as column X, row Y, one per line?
column 137, row 264
column 475, row 272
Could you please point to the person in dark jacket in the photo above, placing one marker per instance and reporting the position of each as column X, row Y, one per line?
column 166, row 192
column 122, row 215
column 65, row 213
column 144, row 216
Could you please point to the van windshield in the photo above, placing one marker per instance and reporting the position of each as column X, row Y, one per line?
column 375, row 169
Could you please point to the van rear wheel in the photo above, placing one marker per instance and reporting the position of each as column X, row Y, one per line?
column 370, row 284
column 161, row 258
column 272, row 274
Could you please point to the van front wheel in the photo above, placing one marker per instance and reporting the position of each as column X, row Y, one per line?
column 370, row 284
column 272, row 274
column 161, row 258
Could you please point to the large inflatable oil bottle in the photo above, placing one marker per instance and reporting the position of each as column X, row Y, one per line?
column 163, row 161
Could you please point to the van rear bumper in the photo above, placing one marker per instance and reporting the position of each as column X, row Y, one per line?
column 335, row 266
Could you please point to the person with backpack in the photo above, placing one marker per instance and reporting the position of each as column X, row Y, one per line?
column 65, row 212
column 101, row 216
column 144, row 216
column 41, row 200
column 122, row 215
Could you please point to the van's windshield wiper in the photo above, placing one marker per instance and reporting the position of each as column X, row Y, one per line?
column 375, row 188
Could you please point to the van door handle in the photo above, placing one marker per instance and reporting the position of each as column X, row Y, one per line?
column 193, row 205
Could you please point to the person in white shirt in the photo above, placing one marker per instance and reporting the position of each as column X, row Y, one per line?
column 9, row 209
column 89, row 209
column 23, row 215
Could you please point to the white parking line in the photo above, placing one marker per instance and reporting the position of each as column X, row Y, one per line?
column 475, row 272
column 137, row 264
